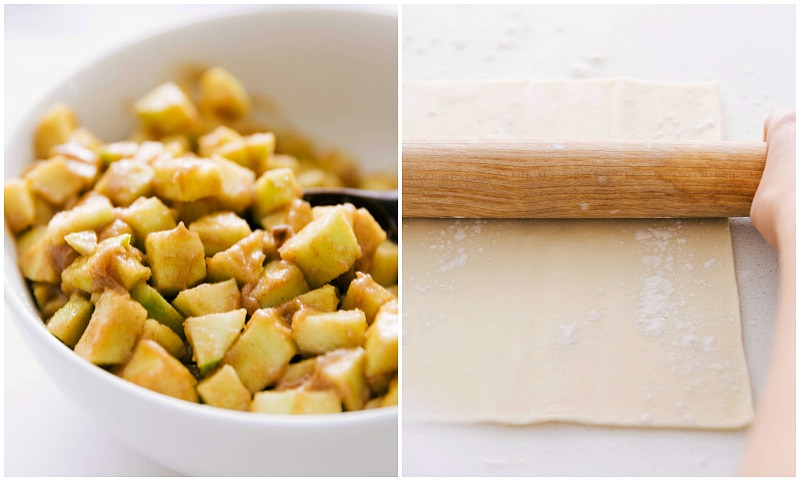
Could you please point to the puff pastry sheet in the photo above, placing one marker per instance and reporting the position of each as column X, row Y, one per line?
column 611, row 322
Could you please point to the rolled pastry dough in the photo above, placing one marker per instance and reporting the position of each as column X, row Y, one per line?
column 609, row 322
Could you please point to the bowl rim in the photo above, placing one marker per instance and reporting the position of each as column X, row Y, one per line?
column 26, row 316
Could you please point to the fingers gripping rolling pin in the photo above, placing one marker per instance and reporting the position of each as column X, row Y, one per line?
column 504, row 178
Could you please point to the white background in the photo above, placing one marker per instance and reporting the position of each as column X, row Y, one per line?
column 750, row 51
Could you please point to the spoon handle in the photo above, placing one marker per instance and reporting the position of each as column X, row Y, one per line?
column 535, row 178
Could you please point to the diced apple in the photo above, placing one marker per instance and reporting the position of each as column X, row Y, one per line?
column 81, row 160
column 49, row 298
column 209, row 298
column 343, row 371
column 296, row 402
column 297, row 145
column 222, row 94
column 275, row 189
column 165, row 336
column 167, row 110
column 316, row 402
column 390, row 398
column 224, row 389
column 278, row 161
column 128, row 269
column 80, row 146
column 148, row 215
column 55, row 179
column 116, row 228
column 263, row 351
column 44, row 211
column 188, row 212
column 110, row 153
column 211, row 335
column 297, row 374
column 30, row 237
column 238, row 185
column 177, row 259
column 368, row 231
column 323, row 249
column 366, row 294
column 86, row 272
column 296, row 215
column 246, row 152
column 318, row 333
column 308, row 176
column 37, row 264
column 115, row 325
column 125, row 181
column 176, row 145
column 84, row 242
column 186, row 178
column 383, row 267
column 243, row 261
column 85, row 138
column 280, row 281
column 235, row 150
column 158, row 308
column 112, row 262
column 273, row 402
column 69, row 322
column 219, row 231
column 152, row 367
column 260, row 146
column 382, row 341
column 151, row 150
column 379, row 383
column 54, row 128
column 93, row 213
column 348, row 209
column 323, row 299
column 19, row 207
column 208, row 144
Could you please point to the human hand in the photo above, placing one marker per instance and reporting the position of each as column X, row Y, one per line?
column 771, row 448
column 773, row 209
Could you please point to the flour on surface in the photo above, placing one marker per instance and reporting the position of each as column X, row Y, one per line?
column 451, row 246
column 567, row 335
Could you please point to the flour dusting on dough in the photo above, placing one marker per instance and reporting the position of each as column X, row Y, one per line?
column 658, row 302
column 662, row 315
column 452, row 262
column 451, row 246
column 655, row 307
column 567, row 334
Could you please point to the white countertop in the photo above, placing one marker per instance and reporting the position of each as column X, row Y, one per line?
column 750, row 51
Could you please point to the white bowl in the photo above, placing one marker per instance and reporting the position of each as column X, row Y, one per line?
column 333, row 72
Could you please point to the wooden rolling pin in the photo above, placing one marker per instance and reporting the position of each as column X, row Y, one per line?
column 503, row 178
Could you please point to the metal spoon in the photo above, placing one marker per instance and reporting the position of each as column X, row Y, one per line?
column 382, row 204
